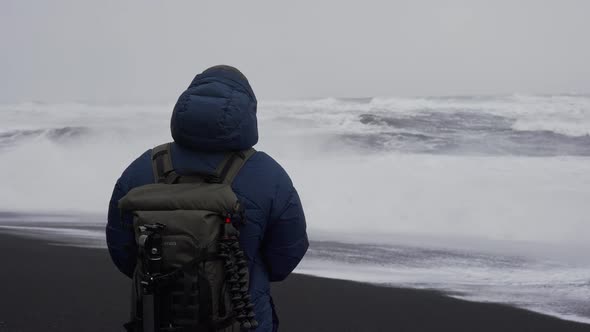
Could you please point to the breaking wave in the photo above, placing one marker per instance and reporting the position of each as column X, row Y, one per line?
column 59, row 135
column 488, row 125
column 464, row 132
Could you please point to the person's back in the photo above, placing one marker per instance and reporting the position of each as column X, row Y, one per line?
column 217, row 114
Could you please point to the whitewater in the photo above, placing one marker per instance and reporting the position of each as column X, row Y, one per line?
column 483, row 197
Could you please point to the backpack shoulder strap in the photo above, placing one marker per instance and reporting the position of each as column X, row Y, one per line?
column 226, row 171
column 232, row 163
column 162, row 162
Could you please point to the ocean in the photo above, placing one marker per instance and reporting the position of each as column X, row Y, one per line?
column 483, row 197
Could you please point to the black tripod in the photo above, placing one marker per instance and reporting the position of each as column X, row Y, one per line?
column 236, row 271
column 150, row 244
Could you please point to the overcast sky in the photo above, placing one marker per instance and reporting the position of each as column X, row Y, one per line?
column 112, row 51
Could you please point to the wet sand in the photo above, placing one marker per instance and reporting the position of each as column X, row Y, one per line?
column 60, row 288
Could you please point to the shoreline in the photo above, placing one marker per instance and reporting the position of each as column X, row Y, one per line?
column 63, row 288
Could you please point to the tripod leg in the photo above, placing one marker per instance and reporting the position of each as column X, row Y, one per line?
column 149, row 319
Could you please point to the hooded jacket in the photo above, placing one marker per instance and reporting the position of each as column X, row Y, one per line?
column 216, row 114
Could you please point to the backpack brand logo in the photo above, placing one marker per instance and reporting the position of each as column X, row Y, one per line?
column 169, row 243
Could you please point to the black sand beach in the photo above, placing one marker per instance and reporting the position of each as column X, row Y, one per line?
column 58, row 288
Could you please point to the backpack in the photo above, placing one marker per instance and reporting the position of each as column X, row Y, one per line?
column 191, row 274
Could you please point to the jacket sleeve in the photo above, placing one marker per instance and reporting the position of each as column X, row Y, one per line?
column 119, row 230
column 285, row 239
column 120, row 238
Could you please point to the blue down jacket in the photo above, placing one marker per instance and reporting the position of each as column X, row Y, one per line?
column 215, row 114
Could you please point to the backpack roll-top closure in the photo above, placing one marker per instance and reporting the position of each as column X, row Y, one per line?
column 184, row 196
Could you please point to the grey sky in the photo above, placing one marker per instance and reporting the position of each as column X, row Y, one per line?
column 148, row 51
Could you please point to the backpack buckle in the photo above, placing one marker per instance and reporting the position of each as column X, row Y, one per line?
column 212, row 178
column 240, row 211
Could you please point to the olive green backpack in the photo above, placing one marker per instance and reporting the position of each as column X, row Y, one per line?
column 191, row 274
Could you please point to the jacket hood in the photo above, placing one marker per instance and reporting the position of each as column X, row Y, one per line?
column 217, row 112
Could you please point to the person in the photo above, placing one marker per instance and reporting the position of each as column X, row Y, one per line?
column 217, row 114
